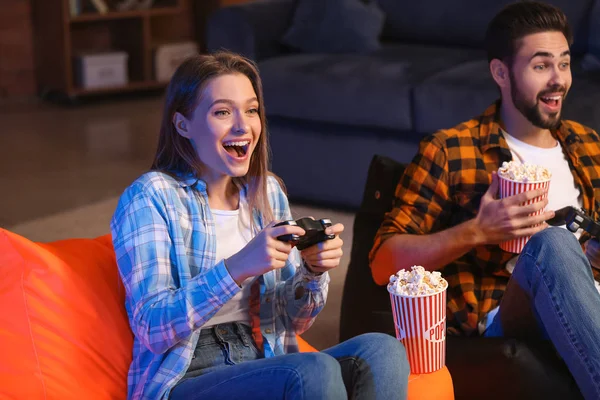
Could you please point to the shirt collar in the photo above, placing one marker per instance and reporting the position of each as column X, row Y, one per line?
column 190, row 180
column 490, row 131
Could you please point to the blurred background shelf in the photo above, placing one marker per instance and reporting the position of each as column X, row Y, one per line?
column 61, row 37
column 130, row 87
column 86, row 17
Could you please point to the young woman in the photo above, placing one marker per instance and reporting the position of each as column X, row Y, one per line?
column 214, row 300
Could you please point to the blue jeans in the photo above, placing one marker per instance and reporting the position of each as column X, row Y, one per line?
column 551, row 294
column 227, row 366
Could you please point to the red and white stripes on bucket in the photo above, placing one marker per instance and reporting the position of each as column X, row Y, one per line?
column 509, row 188
column 421, row 326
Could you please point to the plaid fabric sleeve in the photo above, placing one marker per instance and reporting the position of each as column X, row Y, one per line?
column 161, row 312
column 296, row 279
column 421, row 197
column 588, row 156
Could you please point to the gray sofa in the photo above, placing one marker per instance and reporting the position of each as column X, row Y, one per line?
column 328, row 114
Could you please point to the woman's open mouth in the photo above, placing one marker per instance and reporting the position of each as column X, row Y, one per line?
column 237, row 149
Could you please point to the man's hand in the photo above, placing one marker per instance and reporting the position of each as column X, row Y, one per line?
column 504, row 219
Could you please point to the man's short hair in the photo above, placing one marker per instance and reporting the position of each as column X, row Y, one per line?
column 518, row 20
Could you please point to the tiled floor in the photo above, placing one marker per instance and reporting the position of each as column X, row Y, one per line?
column 54, row 158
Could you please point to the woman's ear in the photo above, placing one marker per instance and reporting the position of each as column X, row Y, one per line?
column 181, row 124
column 500, row 73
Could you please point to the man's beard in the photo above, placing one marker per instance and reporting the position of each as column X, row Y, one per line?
column 532, row 111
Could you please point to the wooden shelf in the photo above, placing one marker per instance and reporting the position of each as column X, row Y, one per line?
column 131, row 86
column 60, row 39
column 87, row 17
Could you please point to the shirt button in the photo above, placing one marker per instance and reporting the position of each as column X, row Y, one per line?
column 268, row 330
column 222, row 331
column 268, row 300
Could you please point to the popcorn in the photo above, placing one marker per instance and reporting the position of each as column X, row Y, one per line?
column 517, row 178
column 515, row 171
column 417, row 282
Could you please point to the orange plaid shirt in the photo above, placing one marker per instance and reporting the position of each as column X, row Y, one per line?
column 443, row 186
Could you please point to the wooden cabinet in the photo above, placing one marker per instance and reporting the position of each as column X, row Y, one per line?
column 60, row 37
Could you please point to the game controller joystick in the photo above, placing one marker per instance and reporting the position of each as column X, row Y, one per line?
column 315, row 232
column 575, row 218
column 292, row 238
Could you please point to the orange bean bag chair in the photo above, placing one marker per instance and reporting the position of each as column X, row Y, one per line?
column 64, row 332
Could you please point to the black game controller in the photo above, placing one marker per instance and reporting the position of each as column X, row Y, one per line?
column 315, row 232
column 575, row 218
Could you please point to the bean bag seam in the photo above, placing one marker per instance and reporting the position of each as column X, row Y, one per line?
column 37, row 360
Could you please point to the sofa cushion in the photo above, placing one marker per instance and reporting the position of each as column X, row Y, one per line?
column 64, row 332
column 464, row 91
column 578, row 13
column 594, row 32
column 460, row 23
column 581, row 104
column 340, row 151
column 351, row 89
column 453, row 95
column 463, row 23
column 335, row 26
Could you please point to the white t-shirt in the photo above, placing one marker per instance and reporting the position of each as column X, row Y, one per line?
column 233, row 233
column 562, row 192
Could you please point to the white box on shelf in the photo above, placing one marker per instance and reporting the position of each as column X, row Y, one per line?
column 98, row 70
column 168, row 57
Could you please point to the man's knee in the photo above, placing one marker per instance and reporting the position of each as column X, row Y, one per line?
column 553, row 238
column 554, row 247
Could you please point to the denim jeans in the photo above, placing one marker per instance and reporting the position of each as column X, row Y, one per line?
column 228, row 366
column 551, row 294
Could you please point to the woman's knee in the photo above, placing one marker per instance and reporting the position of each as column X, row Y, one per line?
column 319, row 373
column 383, row 346
column 322, row 364
column 382, row 365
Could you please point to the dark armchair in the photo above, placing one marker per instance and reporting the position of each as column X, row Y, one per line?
column 481, row 368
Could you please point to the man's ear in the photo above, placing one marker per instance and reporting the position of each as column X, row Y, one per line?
column 500, row 73
column 181, row 124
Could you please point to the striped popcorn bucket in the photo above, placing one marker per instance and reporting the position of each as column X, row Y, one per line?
column 509, row 188
column 420, row 323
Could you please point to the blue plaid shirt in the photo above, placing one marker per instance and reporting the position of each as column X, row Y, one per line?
column 164, row 238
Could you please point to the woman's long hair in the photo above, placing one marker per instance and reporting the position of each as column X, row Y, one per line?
column 175, row 153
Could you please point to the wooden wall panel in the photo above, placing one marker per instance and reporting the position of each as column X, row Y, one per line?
column 17, row 72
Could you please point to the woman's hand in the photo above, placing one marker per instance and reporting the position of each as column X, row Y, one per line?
column 322, row 257
column 263, row 253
